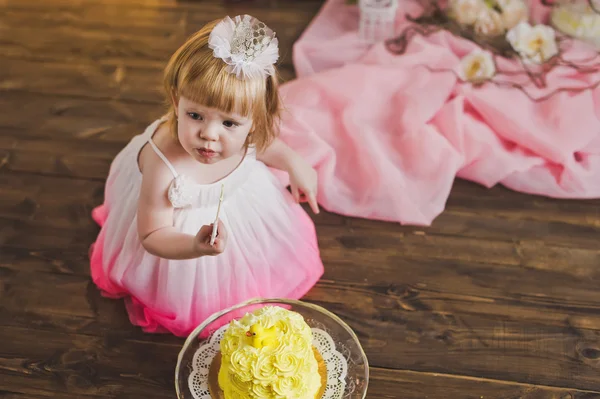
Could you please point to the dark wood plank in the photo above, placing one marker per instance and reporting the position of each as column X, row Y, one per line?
column 22, row 234
column 19, row 139
column 59, row 117
column 392, row 384
column 90, row 80
column 61, row 261
column 121, row 20
column 507, row 206
column 120, row 67
column 52, row 202
column 112, row 41
column 76, row 306
column 74, row 158
column 386, row 245
column 385, row 383
column 231, row 7
column 512, row 204
column 572, row 228
column 40, row 394
column 481, row 223
column 108, row 366
column 37, row 44
column 457, row 342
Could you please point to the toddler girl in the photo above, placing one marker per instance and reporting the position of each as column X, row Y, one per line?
column 164, row 188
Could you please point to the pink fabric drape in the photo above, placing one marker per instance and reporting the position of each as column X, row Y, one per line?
column 388, row 133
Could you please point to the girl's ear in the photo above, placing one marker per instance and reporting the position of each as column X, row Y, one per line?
column 175, row 102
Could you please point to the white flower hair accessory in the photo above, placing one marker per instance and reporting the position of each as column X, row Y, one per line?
column 247, row 45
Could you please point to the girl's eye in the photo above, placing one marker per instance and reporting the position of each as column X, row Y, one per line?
column 229, row 124
column 195, row 116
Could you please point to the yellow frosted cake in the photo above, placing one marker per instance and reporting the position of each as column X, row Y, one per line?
column 268, row 354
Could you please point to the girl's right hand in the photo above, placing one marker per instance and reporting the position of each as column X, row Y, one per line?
column 202, row 240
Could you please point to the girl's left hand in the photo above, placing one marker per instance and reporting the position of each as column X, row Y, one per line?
column 303, row 182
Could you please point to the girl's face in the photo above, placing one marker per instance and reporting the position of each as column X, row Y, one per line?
column 208, row 134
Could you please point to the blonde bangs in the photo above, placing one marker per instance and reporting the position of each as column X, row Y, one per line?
column 209, row 84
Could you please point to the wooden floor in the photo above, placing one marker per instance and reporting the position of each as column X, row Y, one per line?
column 500, row 298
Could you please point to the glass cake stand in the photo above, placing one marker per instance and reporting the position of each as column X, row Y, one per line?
column 343, row 365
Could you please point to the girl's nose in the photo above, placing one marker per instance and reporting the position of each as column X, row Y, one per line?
column 210, row 132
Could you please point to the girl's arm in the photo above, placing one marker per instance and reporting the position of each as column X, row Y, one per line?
column 155, row 218
column 279, row 156
column 303, row 178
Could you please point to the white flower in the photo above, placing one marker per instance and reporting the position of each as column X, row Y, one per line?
column 466, row 11
column 535, row 44
column 589, row 25
column 489, row 17
column 577, row 20
column 513, row 12
column 489, row 23
column 477, row 66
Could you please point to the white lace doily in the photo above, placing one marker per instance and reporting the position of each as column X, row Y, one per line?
column 337, row 366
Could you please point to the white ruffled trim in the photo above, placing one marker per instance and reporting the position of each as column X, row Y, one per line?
column 244, row 66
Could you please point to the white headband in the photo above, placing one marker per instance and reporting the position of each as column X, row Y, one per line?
column 247, row 45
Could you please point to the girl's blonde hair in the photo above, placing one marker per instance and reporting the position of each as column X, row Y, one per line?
column 195, row 73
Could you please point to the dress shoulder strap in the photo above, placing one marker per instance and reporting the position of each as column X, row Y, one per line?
column 162, row 156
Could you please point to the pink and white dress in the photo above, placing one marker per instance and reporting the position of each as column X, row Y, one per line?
column 271, row 252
